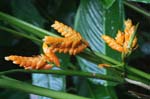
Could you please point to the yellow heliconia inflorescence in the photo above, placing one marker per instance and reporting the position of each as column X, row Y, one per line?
column 72, row 42
column 35, row 62
column 121, row 42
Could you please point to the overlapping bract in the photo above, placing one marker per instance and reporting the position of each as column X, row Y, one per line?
column 35, row 62
column 72, row 41
column 120, row 43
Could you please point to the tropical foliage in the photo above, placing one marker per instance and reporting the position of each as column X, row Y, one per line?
column 78, row 56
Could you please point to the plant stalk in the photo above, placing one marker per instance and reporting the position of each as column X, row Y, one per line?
column 68, row 73
column 15, row 84
column 21, row 34
column 137, row 9
column 129, row 69
column 25, row 26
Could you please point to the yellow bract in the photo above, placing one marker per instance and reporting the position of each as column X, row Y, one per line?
column 120, row 43
column 103, row 65
column 35, row 62
column 72, row 42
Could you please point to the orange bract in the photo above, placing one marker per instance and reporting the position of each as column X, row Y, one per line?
column 112, row 43
column 65, row 30
column 103, row 65
column 35, row 62
column 120, row 38
column 120, row 43
column 72, row 42
column 50, row 55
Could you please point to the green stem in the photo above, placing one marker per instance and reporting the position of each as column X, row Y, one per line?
column 25, row 26
column 66, row 72
column 15, row 84
column 138, row 72
column 138, row 79
column 20, row 34
column 137, row 9
column 113, row 61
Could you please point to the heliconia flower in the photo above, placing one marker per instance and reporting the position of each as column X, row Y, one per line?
column 35, row 62
column 121, row 42
column 72, row 42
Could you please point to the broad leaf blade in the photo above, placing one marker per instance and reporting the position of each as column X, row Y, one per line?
column 55, row 82
column 92, row 21
column 108, row 3
column 101, row 92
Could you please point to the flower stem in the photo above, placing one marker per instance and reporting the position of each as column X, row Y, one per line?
column 129, row 69
column 66, row 72
column 21, row 34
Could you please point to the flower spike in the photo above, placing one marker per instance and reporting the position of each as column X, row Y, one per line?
column 122, row 41
column 35, row 62
column 72, row 42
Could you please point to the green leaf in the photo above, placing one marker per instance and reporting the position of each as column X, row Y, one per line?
column 92, row 20
column 142, row 1
column 26, row 10
column 88, row 89
column 55, row 82
column 107, row 3
column 20, row 34
column 101, row 92
column 6, row 82
column 25, row 26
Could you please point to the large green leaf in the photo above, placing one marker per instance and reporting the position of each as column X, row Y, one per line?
column 143, row 1
column 92, row 21
column 101, row 92
column 55, row 82
column 108, row 3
